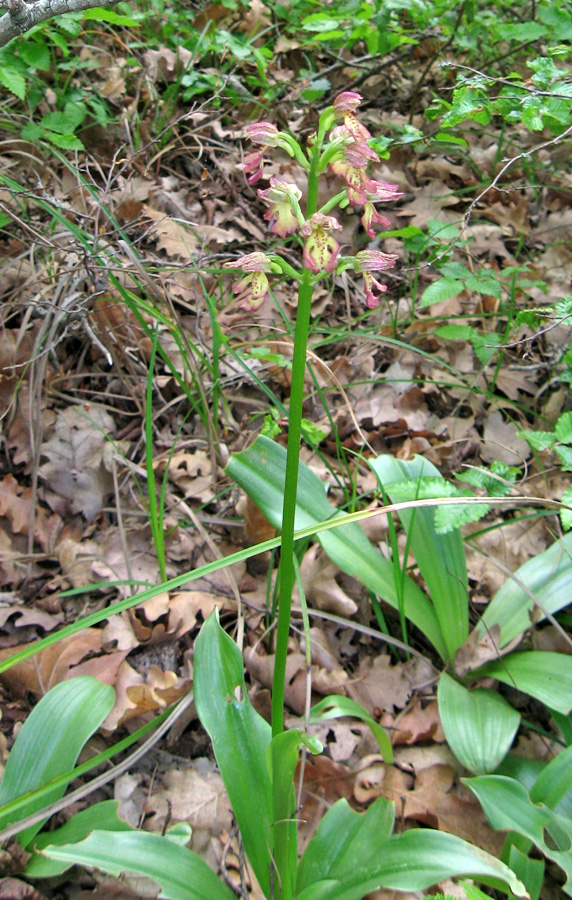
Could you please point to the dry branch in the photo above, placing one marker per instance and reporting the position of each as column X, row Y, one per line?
column 20, row 16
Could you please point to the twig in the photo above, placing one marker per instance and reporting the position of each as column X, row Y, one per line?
column 22, row 16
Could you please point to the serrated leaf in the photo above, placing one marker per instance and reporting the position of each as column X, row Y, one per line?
column 447, row 518
column 565, row 455
column 563, row 428
column 36, row 55
column 64, row 141
column 109, row 15
column 14, row 81
column 538, row 440
column 479, row 725
column 440, row 290
column 566, row 514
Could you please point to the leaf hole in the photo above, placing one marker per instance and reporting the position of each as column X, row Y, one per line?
column 238, row 693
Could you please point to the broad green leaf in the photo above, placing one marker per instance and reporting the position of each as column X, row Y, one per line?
column 36, row 55
column 547, row 577
column 102, row 817
column 49, row 744
column 555, row 780
column 412, row 861
column 181, row 874
column 440, row 290
column 530, row 871
column 544, row 675
column 479, row 725
column 240, row 738
column 345, row 839
column 565, row 454
column 335, row 706
column 440, row 557
column 260, row 471
column 508, row 807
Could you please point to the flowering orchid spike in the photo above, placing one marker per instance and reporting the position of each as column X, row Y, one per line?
column 252, row 289
column 367, row 261
column 284, row 213
column 320, row 248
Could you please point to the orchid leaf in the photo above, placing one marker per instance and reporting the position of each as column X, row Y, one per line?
column 440, row 557
column 508, row 807
column 545, row 675
column 240, row 738
column 260, row 472
column 546, row 580
column 49, row 744
column 102, row 816
column 336, row 706
column 479, row 725
column 181, row 874
column 353, row 854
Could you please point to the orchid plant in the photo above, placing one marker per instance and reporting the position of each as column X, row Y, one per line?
column 350, row 854
column 340, row 145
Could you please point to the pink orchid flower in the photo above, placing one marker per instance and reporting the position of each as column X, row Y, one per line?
column 320, row 248
column 282, row 198
column 367, row 261
column 252, row 289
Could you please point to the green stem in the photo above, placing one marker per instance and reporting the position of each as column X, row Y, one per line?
column 287, row 574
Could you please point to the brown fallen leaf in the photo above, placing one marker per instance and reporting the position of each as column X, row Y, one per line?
column 14, row 889
column 77, row 452
column 44, row 670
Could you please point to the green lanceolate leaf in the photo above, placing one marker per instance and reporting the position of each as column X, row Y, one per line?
column 102, row 817
column 181, row 874
column 544, row 675
column 260, row 471
column 440, row 557
column 508, row 807
column 348, row 858
column 337, row 707
column 546, row 578
column 240, row 738
column 50, row 742
column 479, row 725
column 555, row 780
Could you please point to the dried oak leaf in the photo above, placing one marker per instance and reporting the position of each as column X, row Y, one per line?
column 14, row 889
column 77, row 454
column 136, row 694
column 381, row 686
column 57, row 663
column 18, row 505
column 195, row 795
